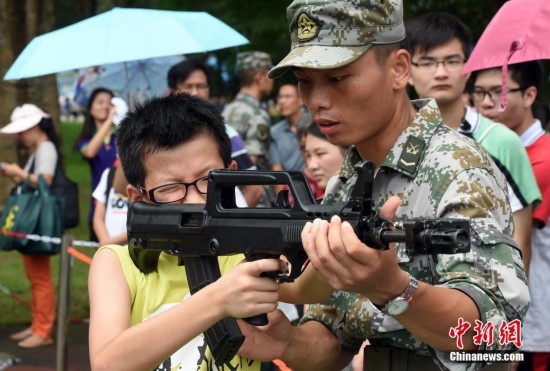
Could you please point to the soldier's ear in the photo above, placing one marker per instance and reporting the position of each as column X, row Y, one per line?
column 259, row 75
column 401, row 68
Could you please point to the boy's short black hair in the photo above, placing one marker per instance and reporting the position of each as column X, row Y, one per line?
column 163, row 124
column 434, row 29
column 527, row 74
column 181, row 71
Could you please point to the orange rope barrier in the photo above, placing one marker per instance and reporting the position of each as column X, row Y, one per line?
column 80, row 256
column 14, row 296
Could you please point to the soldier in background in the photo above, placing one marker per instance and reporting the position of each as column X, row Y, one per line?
column 244, row 113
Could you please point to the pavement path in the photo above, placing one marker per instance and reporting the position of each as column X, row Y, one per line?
column 43, row 359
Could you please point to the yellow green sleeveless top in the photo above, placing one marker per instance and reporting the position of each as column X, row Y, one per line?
column 155, row 292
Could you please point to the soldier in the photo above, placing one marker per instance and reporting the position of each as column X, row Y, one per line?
column 414, row 309
column 244, row 113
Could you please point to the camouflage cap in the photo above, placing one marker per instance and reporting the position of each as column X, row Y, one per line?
column 253, row 59
column 329, row 34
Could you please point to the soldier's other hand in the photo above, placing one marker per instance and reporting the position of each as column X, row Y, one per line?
column 268, row 342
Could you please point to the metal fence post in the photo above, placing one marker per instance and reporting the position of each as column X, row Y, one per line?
column 64, row 307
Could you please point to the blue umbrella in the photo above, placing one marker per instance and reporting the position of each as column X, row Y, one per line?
column 122, row 35
column 134, row 80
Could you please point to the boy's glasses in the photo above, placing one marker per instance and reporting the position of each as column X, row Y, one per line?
column 174, row 192
column 430, row 65
column 494, row 94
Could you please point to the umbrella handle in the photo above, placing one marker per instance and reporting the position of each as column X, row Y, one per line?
column 516, row 45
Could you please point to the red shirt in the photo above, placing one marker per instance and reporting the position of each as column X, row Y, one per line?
column 539, row 156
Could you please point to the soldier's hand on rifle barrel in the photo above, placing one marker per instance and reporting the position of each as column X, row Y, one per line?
column 347, row 264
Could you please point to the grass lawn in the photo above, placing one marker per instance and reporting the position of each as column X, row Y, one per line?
column 12, row 273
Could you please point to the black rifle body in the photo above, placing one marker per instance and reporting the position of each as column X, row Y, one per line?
column 198, row 233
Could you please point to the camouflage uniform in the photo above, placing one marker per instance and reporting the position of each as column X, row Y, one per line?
column 437, row 173
column 244, row 114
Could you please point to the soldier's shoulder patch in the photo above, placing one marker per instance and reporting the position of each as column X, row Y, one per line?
column 262, row 132
column 411, row 155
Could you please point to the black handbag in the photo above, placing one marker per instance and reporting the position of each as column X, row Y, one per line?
column 64, row 187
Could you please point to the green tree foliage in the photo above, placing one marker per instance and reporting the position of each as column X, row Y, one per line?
column 474, row 13
column 265, row 25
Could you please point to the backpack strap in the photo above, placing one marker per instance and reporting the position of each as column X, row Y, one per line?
column 58, row 167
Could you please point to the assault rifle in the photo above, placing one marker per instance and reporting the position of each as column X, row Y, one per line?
column 199, row 233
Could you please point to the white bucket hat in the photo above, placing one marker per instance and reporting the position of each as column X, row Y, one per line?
column 23, row 118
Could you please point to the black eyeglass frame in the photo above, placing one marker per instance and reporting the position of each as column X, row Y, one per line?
column 489, row 93
column 437, row 63
column 149, row 193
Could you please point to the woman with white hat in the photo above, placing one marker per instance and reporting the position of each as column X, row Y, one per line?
column 34, row 129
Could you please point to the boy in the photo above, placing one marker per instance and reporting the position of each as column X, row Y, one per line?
column 524, row 84
column 167, row 147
